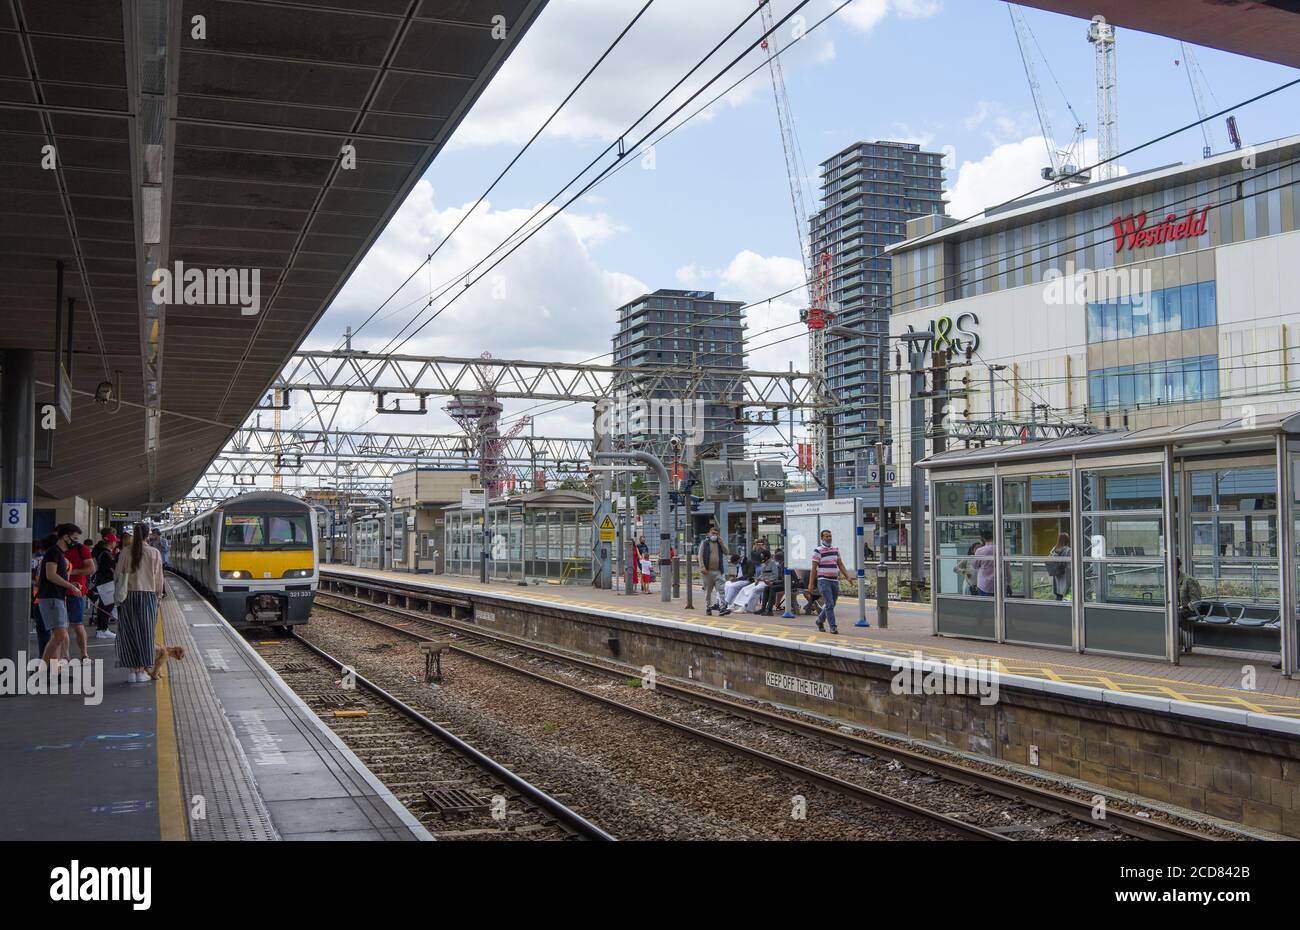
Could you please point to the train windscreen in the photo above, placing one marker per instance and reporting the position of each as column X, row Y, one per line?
column 266, row 531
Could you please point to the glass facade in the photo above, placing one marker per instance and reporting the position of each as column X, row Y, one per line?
column 1234, row 540
column 1167, row 310
column 542, row 541
column 1172, row 381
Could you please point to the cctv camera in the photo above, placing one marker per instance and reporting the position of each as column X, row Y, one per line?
column 104, row 392
column 676, row 441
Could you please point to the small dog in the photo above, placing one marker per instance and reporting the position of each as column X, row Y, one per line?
column 160, row 656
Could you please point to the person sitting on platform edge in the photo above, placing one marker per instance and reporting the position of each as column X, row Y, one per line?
column 712, row 558
column 770, row 573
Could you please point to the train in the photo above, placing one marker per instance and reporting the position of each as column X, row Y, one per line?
column 254, row 557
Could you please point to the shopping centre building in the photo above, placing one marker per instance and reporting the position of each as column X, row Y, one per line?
column 1154, row 299
column 1160, row 308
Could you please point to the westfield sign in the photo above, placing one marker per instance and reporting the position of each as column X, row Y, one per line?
column 1132, row 232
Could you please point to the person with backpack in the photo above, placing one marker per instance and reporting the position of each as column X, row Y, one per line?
column 1060, row 571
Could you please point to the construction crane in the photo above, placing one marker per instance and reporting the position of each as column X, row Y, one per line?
column 819, row 315
column 1063, row 167
column 1196, row 82
column 1102, row 36
column 1201, row 89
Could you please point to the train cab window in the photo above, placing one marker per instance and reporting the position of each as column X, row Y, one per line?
column 243, row 530
column 289, row 531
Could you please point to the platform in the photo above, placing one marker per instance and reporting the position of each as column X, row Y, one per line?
column 1211, row 680
column 217, row 749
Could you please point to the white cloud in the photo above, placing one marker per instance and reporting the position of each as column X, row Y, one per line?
column 1009, row 171
column 866, row 14
column 550, row 300
column 671, row 38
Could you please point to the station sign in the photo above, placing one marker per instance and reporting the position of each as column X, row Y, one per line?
column 874, row 474
column 125, row 516
column 472, row 499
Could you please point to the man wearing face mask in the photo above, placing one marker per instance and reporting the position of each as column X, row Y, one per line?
column 713, row 561
column 827, row 567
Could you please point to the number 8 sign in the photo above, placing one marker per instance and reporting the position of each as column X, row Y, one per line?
column 15, row 514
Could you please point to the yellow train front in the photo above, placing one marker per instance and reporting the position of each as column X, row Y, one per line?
column 254, row 557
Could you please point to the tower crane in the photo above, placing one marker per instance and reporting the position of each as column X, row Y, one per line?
column 1102, row 36
column 819, row 315
column 1063, row 167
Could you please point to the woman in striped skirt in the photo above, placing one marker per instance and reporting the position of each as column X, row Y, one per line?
column 139, row 570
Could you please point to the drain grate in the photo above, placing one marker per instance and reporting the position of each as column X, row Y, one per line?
column 455, row 801
column 333, row 700
column 296, row 667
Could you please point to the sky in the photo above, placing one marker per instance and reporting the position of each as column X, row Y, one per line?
column 709, row 208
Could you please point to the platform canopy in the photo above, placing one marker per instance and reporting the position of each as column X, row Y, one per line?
column 213, row 134
column 1267, row 29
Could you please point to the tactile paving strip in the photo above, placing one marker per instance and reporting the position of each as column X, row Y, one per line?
column 213, row 764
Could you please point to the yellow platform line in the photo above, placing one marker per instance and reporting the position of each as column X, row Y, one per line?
column 171, row 803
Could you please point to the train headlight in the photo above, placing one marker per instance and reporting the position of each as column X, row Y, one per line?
column 235, row 574
column 297, row 573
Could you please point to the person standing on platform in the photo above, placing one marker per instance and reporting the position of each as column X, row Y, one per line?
column 82, row 566
column 712, row 559
column 139, row 574
column 641, row 557
column 105, row 555
column 1060, row 571
column 827, row 568
column 54, row 590
column 985, row 564
column 159, row 542
column 770, row 574
column 38, row 565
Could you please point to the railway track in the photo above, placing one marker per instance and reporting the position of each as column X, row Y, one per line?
column 454, row 790
column 1126, row 823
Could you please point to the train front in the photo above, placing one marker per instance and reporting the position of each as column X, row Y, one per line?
column 266, row 562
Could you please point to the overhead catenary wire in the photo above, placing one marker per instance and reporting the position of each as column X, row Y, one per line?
column 623, row 164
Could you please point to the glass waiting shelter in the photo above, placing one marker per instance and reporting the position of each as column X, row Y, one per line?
column 1062, row 542
column 546, row 535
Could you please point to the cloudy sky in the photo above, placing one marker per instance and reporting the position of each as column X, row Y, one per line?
column 709, row 208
